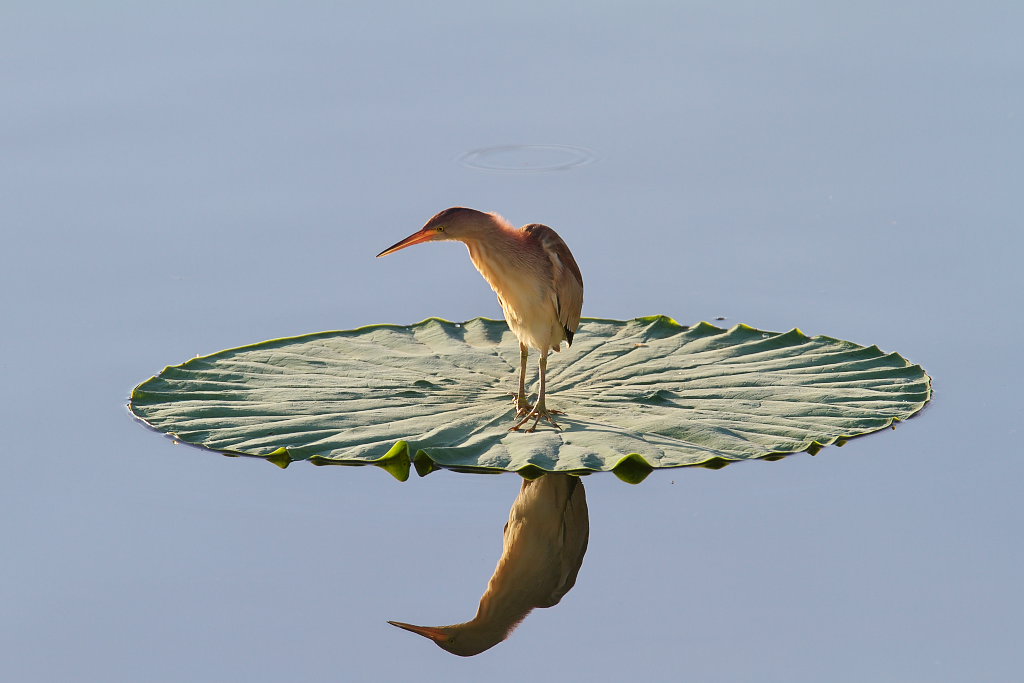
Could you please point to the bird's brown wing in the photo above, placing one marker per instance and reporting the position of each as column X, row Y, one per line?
column 574, row 537
column 565, row 277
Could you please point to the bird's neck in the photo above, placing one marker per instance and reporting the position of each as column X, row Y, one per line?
column 495, row 619
column 499, row 257
column 512, row 591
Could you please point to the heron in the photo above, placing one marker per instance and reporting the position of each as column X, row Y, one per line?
column 535, row 276
column 544, row 544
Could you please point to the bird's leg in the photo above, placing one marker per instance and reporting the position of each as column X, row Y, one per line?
column 522, row 406
column 539, row 410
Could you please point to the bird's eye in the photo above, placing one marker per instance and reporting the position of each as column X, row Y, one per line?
column 440, row 228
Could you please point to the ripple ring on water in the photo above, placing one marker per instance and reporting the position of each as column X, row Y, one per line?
column 527, row 158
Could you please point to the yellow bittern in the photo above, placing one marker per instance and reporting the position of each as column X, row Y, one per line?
column 535, row 276
column 545, row 541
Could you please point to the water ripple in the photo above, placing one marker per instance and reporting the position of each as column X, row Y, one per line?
column 527, row 158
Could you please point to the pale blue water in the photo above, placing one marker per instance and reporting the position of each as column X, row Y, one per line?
column 183, row 179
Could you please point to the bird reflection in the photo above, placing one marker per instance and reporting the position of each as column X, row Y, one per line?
column 545, row 541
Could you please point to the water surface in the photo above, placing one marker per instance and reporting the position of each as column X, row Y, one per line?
column 190, row 178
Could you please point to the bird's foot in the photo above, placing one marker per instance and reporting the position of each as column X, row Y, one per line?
column 537, row 413
column 523, row 408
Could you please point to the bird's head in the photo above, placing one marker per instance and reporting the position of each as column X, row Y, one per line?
column 456, row 223
column 464, row 640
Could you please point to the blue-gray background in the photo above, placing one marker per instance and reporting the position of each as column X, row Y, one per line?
column 186, row 177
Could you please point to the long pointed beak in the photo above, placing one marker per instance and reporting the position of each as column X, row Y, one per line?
column 435, row 633
column 415, row 238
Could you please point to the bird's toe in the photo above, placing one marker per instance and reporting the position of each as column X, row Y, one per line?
column 536, row 415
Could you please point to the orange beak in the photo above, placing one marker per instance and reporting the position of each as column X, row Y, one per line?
column 415, row 238
column 433, row 632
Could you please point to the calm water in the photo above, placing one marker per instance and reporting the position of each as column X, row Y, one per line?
column 186, row 179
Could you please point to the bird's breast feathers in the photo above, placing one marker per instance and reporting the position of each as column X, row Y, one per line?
column 538, row 284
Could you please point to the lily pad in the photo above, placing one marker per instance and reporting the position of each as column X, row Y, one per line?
column 636, row 394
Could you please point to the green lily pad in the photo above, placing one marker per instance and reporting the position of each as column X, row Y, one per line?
column 636, row 394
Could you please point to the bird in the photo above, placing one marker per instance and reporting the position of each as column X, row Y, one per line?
column 544, row 544
column 539, row 287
